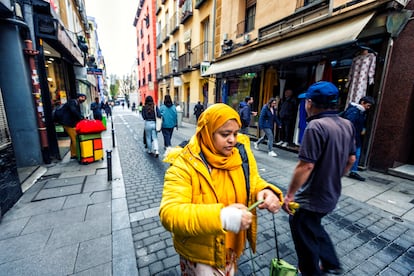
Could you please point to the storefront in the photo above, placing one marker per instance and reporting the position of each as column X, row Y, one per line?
column 59, row 79
column 328, row 53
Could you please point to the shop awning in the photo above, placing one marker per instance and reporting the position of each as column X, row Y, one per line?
column 328, row 37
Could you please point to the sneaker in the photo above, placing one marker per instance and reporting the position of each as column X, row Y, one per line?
column 256, row 146
column 356, row 176
column 279, row 143
column 156, row 154
column 285, row 144
column 272, row 153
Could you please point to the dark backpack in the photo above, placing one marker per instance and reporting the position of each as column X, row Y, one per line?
column 58, row 113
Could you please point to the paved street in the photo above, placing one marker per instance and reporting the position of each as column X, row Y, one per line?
column 369, row 240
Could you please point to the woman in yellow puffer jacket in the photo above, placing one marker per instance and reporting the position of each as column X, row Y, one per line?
column 205, row 195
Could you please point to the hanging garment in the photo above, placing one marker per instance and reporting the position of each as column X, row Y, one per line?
column 271, row 80
column 360, row 75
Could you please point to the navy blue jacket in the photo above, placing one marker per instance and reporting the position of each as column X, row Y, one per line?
column 267, row 119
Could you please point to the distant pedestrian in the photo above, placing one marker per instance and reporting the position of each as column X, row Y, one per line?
column 169, row 120
column 245, row 112
column 70, row 118
column 267, row 120
column 96, row 109
column 149, row 111
column 357, row 114
column 108, row 109
column 287, row 114
column 327, row 152
column 198, row 109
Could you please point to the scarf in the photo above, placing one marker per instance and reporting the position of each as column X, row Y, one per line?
column 226, row 171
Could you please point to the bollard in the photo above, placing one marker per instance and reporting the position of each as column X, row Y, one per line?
column 109, row 164
column 113, row 132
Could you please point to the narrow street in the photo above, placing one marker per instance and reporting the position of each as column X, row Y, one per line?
column 368, row 240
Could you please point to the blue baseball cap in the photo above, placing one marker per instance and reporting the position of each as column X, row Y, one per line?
column 321, row 92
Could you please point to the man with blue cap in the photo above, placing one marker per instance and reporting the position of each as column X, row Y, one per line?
column 327, row 152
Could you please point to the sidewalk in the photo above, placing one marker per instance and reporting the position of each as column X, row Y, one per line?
column 71, row 221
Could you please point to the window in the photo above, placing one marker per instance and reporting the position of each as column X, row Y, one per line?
column 250, row 15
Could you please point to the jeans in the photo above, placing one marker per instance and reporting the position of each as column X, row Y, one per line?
column 167, row 133
column 151, row 136
column 312, row 243
column 357, row 156
column 269, row 134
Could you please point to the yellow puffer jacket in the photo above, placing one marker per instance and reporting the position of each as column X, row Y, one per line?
column 190, row 209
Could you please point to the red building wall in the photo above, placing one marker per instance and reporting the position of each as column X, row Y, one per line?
column 146, row 39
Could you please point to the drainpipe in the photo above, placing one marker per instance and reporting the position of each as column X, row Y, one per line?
column 31, row 53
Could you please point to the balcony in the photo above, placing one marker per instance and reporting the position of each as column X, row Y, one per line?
column 304, row 16
column 164, row 34
column 173, row 68
column 166, row 70
column 174, row 23
column 158, row 41
column 245, row 26
column 160, row 74
column 200, row 53
column 184, row 62
column 186, row 10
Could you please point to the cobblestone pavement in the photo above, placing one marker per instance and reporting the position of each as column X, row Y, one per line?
column 368, row 241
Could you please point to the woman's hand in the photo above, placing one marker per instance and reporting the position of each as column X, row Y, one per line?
column 271, row 201
column 235, row 217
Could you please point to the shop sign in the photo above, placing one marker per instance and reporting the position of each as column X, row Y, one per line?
column 71, row 46
column 203, row 67
column 177, row 81
column 94, row 71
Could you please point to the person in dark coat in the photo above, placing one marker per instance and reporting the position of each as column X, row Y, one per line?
column 287, row 115
column 70, row 118
column 357, row 114
column 96, row 109
column 246, row 113
column 198, row 109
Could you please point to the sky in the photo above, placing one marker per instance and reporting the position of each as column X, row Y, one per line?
column 116, row 33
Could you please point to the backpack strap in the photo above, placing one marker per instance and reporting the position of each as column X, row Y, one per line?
column 245, row 166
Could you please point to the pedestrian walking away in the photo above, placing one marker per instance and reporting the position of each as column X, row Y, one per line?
column 267, row 120
column 96, row 108
column 198, row 109
column 246, row 113
column 207, row 189
column 108, row 110
column 357, row 114
column 327, row 152
column 148, row 114
column 169, row 120
column 71, row 117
